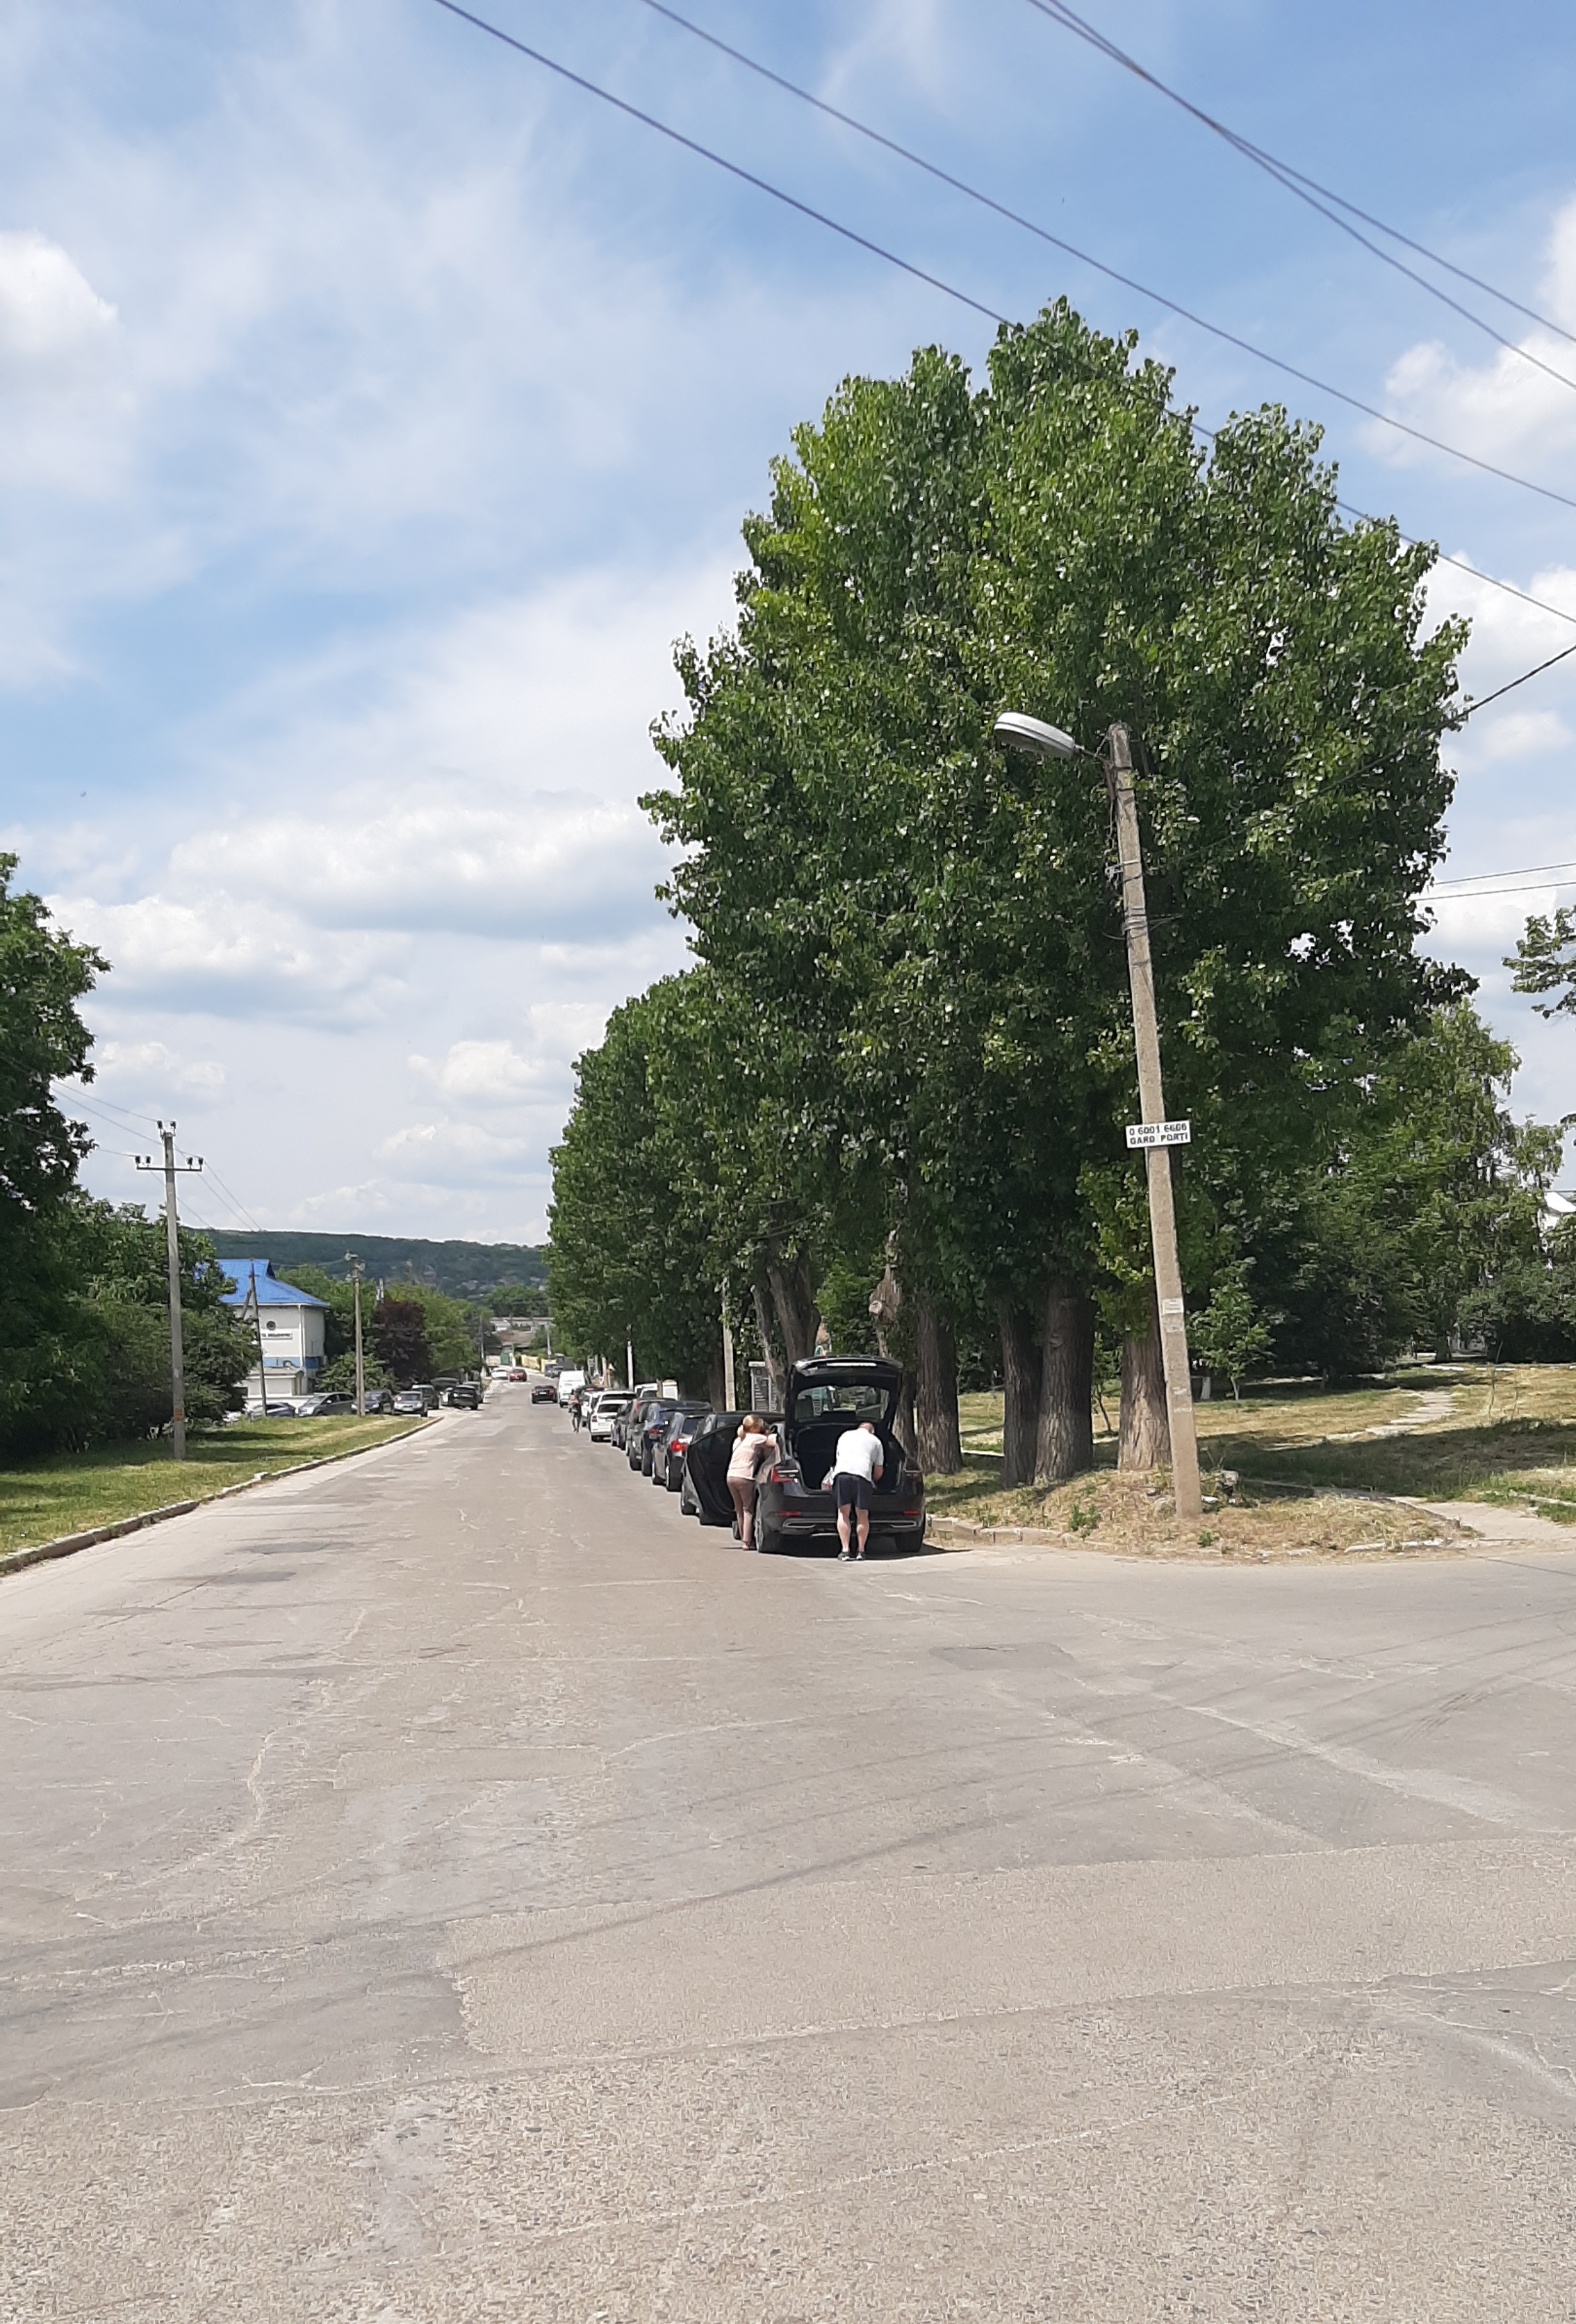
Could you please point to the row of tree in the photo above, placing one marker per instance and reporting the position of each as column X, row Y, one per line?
column 84, row 1286
column 899, row 1069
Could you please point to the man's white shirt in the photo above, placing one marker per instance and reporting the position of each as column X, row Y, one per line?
column 858, row 1455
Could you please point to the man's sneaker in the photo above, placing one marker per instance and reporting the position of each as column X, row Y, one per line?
column 844, row 1553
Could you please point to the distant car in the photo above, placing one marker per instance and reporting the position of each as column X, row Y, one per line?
column 466, row 1395
column 433, row 1395
column 327, row 1406
column 607, row 1412
column 409, row 1401
column 542, row 1391
column 667, row 1456
column 379, row 1399
column 279, row 1407
column 623, row 1420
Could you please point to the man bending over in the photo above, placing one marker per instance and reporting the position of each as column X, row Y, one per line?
column 854, row 1471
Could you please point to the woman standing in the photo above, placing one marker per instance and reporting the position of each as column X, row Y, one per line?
column 753, row 1447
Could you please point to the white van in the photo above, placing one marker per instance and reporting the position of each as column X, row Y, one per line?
column 567, row 1383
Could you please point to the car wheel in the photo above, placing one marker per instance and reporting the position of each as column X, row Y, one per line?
column 768, row 1539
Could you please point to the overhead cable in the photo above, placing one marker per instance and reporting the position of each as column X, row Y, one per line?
column 1520, row 871
column 1309, row 191
column 1509, row 688
column 949, row 290
column 1029, row 226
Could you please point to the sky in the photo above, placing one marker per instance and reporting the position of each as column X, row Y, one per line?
column 377, row 409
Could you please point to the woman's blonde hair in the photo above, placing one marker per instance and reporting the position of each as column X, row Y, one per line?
column 750, row 1424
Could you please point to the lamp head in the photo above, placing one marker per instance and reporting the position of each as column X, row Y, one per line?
column 1015, row 730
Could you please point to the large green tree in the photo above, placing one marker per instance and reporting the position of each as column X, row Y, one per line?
column 928, row 930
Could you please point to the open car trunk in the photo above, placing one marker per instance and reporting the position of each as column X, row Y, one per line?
column 827, row 1394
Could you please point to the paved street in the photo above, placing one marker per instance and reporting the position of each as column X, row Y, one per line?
column 454, row 1886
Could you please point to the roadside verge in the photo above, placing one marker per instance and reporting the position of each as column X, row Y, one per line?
column 67, row 1545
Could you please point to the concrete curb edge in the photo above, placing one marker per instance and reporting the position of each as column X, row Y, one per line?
column 66, row 1545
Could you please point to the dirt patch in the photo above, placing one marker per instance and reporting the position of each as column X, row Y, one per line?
column 1133, row 1515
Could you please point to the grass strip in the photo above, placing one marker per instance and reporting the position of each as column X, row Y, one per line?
column 70, row 1493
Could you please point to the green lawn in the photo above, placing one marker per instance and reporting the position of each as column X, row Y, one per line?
column 73, row 1493
column 1464, row 1432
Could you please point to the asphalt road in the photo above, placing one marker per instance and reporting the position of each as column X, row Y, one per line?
column 455, row 1886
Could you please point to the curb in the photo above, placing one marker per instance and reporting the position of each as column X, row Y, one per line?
column 66, row 1545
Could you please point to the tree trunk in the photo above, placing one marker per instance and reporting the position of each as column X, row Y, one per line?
column 1064, row 1440
column 717, row 1387
column 768, row 1352
column 1144, row 1429
column 1020, row 1380
column 940, row 1444
column 794, row 1306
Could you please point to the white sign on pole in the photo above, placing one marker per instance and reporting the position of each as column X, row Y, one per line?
column 1159, row 1133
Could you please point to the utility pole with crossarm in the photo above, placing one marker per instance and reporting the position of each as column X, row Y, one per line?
column 172, row 1170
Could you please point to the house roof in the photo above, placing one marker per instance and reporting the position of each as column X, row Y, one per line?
column 271, row 1292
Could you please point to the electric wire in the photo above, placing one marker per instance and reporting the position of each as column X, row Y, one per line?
column 1309, row 191
column 1029, row 226
column 864, row 243
column 1518, row 872
column 236, row 1204
column 1481, row 895
column 1511, row 684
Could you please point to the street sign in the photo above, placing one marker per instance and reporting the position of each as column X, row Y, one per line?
column 1159, row 1133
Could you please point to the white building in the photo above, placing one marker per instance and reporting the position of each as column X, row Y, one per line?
column 291, row 1322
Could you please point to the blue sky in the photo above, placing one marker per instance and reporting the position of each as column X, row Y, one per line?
column 375, row 410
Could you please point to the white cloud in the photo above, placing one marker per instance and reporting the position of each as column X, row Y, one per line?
column 450, row 1153
column 49, row 312
column 1505, row 409
column 228, row 956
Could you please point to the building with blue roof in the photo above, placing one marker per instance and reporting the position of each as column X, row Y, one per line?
column 291, row 1323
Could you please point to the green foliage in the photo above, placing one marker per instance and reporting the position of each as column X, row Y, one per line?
column 1545, row 960
column 399, row 1342
column 1230, row 1337
column 339, row 1378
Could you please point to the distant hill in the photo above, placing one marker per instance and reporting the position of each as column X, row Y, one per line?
column 466, row 1270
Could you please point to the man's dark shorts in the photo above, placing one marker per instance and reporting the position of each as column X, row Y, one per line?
column 852, row 1490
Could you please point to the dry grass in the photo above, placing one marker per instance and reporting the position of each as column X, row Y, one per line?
column 41, row 1500
column 1439, row 1433
column 1132, row 1515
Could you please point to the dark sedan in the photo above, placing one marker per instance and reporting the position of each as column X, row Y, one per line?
column 667, row 1454
column 644, row 1434
column 542, row 1391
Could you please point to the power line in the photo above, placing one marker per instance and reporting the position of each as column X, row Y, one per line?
column 949, row 290
column 235, row 1203
column 734, row 169
column 1013, row 217
column 1511, row 684
column 1519, row 872
column 1309, row 191
column 1535, row 888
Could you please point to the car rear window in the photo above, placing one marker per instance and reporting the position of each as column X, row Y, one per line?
column 859, row 1399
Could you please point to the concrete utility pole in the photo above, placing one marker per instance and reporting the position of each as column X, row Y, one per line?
column 172, row 1170
column 728, row 1403
column 1157, row 1160
column 629, row 1361
column 356, row 1271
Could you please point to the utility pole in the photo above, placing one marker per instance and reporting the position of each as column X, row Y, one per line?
column 1157, row 1160
column 172, row 1169
column 728, row 1403
column 628, row 1360
column 356, row 1272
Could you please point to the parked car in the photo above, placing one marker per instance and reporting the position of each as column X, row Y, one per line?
column 668, row 1454
column 646, row 1423
column 705, row 1490
column 329, row 1405
column 607, row 1413
column 625, row 1419
column 542, row 1391
column 825, row 1396
column 466, row 1395
column 379, row 1399
column 409, row 1401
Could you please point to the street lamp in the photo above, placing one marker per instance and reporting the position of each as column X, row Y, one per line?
column 1015, row 730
